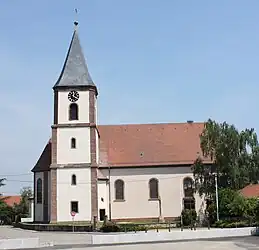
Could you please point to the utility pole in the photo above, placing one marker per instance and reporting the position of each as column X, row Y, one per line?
column 217, row 196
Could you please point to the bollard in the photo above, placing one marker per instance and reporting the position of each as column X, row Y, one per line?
column 95, row 223
column 105, row 220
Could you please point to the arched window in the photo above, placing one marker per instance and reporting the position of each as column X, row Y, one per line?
column 73, row 180
column 119, row 190
column 188, row 187
column 73, row 112
column 39, row 191
column 73, row 142
column 153, row 188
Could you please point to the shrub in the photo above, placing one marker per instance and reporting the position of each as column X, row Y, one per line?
column 110, row 227
column 232, row 224
column 189, row 217
column 132, row 227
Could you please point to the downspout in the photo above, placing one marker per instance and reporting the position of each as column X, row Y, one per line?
column 110, row 205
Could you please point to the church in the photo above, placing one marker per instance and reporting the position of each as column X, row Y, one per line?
column 134, row 172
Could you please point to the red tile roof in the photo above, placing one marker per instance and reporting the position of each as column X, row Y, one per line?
column 250, row 191
column 11, row 200
column 149, row 144
column 142, row 145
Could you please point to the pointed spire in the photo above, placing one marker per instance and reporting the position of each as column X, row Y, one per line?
column 75, row 72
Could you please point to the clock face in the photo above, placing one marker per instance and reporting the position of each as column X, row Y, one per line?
column 73, row 96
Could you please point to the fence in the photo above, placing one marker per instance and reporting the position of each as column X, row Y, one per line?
column 231, row 222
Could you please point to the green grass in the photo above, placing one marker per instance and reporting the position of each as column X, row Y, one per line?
column 70, row 223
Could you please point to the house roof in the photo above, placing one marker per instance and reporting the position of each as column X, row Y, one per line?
column 250, row 191
column 136, row 145
column 149, row 144
column 11, row 200
column 75, row 72
column 44, row 160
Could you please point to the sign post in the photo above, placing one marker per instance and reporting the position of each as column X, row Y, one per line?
column 73, row 214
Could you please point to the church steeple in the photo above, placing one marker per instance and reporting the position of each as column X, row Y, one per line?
column 75, row 72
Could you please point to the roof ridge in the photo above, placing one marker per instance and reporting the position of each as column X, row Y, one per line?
column 158, row 123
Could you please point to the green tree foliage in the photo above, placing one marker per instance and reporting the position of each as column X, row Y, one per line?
column 2, row 184
column 6, row 212
column 9, row 214
column 234, row 158
column 22, row 209
column 234, row 207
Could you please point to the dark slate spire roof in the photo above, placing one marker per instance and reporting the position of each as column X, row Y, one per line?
column 75, row 72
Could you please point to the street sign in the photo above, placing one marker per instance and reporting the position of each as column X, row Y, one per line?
column 73, row 214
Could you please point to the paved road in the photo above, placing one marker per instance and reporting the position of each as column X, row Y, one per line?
column 242, row 243
column 245, row 243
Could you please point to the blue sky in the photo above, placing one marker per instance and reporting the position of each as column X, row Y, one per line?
column 153, row 61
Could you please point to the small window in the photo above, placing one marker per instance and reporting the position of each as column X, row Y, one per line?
column 73, row 112
column 73, row 142
column 39, row 191
column 189, row 203
column 153, row 189
column 74, row 206
column 73, row 180
column 119, row 190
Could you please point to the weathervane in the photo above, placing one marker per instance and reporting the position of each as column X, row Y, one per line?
column 76, row 22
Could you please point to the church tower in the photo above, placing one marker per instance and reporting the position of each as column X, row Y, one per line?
column 73, row 176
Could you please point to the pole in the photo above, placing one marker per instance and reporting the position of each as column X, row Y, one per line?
column 110, row 205
column 160, row 209
column 217, row 196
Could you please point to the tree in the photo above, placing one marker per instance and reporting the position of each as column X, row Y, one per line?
column 6, row 212
column 234, row 158
column 22, row 209
column 2, row 183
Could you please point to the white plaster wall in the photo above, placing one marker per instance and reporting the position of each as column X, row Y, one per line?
column 39, row 207
column 67, row 193
column 68, row 155
column 63, row 107
column 103, row 194
column 137, row 203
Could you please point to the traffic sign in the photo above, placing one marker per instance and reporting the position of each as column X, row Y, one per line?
column 73, row 214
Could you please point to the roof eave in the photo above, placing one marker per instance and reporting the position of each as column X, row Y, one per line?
column 78, row 87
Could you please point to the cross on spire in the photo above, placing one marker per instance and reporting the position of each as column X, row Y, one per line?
column 76, row 22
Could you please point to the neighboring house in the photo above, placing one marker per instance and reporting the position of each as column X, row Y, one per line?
column 250, row 191
column 127, row 172
column 11, row 200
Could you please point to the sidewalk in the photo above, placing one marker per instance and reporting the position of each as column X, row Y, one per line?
column 29, row 239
